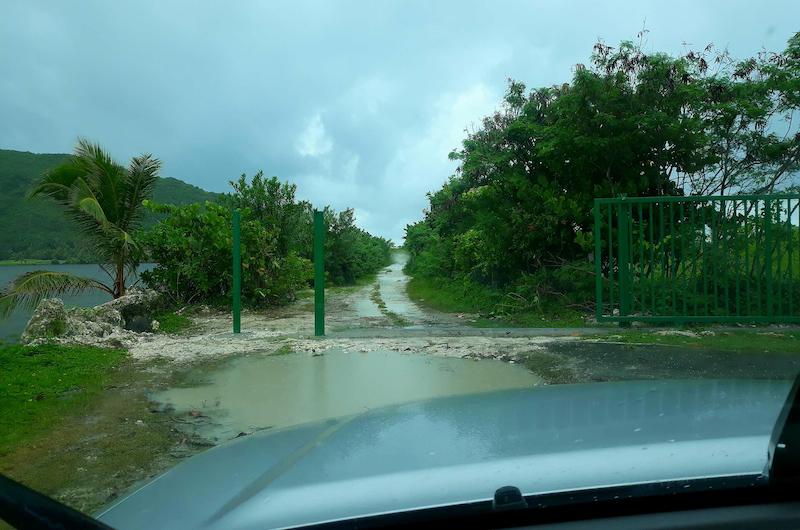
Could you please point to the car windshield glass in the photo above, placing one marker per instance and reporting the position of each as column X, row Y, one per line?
column 407, row 252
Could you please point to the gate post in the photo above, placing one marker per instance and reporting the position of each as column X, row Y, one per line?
column 623, row 223
column 598, row 267
column 319, row 274
column 237, row 272
column 768, row 252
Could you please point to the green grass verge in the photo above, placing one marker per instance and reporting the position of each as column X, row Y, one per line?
column 173, row 323
column 283, row 350
column 40, row 384
column 457, row 297
column 26, row 262
column 750, row 340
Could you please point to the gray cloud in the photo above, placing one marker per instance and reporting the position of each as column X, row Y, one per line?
column 358, row 103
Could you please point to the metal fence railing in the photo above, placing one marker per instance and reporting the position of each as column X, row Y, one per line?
column 698, row 259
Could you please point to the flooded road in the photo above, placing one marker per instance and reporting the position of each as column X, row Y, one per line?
column 392, row 282
column 256, row 392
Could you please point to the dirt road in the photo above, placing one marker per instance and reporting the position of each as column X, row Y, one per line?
column 376, row 316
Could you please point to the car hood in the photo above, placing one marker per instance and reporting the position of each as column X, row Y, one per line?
column 463, row 448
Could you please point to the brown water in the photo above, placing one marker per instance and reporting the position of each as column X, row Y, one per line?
column 256, row 392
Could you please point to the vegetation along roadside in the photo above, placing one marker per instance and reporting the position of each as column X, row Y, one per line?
column 511, row 233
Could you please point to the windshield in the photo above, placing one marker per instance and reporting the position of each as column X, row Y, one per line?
column 390, row 249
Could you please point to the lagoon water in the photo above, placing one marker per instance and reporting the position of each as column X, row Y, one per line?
column 11, row 327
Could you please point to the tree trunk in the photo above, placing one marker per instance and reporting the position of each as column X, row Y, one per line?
column 119, row 280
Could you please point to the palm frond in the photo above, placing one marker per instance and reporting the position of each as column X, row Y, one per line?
column 140, row 180
column 57, row 183
column 103, row 175
column 28, row 289
column 92, row 158
column 85, row 203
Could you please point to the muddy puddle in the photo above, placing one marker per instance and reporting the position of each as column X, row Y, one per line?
column 256, row 392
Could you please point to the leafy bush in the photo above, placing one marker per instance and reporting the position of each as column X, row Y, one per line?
column 192, row 248
column 350, row 252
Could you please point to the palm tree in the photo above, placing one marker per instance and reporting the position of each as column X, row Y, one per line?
column 105, row 200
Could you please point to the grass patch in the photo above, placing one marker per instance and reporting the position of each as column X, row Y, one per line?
column 491, row 305
column 550, row 367
column 565, row 319
column 375, row 296
column 173, row 323
column 283, row 350
column 752, row 340
column 41, row 384
column 396, row 319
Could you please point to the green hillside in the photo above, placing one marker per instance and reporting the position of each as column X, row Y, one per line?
column 37, row 228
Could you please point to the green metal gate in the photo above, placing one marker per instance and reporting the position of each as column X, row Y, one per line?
column 698, row 259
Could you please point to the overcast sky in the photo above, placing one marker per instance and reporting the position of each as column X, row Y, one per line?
column 358, row 103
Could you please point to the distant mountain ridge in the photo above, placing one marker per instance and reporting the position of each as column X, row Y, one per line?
column 38, row 229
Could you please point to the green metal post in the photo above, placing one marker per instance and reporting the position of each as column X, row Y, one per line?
column 683, row 257
column 598, row 270
column 652, row 272
column 693, row 242
column 724, row 237
column 768, row 252
column 706, row 260
column 746, row 267
column 319, row 274
column 758, row 238
column 237, row 273
column 623, row 219
column 642, row 282
column 789, row 252
column 611, row 259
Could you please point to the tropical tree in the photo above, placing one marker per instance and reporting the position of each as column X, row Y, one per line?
column 105, row 200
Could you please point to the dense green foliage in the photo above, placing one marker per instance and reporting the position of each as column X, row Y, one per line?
column 192, row 246
column 38, row 385
column 517, row 216
column 35, row 227
column 350, row 252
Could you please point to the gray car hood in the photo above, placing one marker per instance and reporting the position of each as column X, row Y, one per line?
column 461, row 449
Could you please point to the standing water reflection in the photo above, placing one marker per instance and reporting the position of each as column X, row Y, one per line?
column 251, row 393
